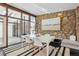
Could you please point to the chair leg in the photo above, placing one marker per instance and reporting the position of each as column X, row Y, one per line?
column 39, row 49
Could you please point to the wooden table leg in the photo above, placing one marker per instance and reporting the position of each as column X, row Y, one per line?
column 47, row 49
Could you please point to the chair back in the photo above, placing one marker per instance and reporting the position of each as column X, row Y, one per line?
column 46, row 38
column 37, row 42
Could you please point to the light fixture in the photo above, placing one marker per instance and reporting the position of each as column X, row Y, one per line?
column 60, row 14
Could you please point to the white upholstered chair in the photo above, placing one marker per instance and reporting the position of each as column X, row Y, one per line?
column 46, row 39
column 27, row 40
column 38, row 43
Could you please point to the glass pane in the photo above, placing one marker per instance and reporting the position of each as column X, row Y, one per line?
column 32, row 18
column 2, row 10
column 19, row 28
column 14, row 13
column 10, row 30
column 27, row 27
column 32, row 29
column 23, row 28
column 25, row 16
column 1, row 32
column 1, row 18
column 11, row 20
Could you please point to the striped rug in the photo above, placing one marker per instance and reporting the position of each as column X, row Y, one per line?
column 19, row 50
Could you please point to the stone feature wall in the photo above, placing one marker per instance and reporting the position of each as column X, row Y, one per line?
column 77, row 23
column 68, row 23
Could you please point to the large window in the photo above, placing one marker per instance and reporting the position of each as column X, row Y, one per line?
column 13, row 30
column 25, row 24
column 32, row 23
column 19, row 23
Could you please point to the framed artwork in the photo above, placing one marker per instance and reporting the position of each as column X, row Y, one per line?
column 51, row 24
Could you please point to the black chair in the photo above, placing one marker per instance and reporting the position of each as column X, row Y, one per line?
column 56, row 43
